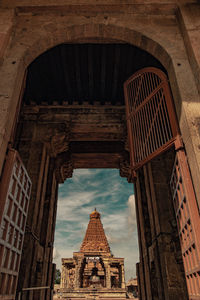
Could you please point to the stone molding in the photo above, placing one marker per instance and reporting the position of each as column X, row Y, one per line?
column 63, row 166
column 66, row 170
column 125, row 170
column 59, row 138
column 59, row 143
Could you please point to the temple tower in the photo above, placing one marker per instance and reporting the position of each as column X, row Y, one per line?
column 95, row 239
column 93, row 271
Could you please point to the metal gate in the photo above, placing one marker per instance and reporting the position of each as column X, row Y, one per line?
column 151, row 120
column 152, row 129
column 15, row 189
column 187, row 216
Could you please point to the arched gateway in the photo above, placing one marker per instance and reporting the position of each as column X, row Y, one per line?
column 53, row 135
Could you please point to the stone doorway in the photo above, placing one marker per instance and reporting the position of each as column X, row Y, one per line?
column 54, row 137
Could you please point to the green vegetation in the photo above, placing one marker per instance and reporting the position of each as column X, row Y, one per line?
column 57, row 276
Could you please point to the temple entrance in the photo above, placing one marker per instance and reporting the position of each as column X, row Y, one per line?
column 73, row 116
column 103, row 248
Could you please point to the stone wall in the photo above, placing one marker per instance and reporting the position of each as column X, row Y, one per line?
column 168, row 31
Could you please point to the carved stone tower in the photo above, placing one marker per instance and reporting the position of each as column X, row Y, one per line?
column 95, row 239
column 93, row 271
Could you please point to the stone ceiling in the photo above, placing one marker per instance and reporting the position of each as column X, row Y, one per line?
column 84, row 73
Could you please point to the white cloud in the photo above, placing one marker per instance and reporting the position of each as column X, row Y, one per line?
column 67, row 208
column 56, row 254
column 112, row 197
column 131, row 214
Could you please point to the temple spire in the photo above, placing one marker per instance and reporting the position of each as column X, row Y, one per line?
column 95, row 239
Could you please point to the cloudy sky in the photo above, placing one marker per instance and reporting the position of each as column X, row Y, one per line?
column 113, row 197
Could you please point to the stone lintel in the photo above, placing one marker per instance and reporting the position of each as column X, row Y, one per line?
column 78, row 254
column 67, row 260
column 77, row 123
column 81, row 8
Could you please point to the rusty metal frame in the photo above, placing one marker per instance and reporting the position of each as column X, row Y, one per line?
column 15, row 190
column 153, row 90
column 188, row 221
column 139, row 94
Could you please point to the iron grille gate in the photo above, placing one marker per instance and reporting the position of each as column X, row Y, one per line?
column 15, row 189
column 187, row 216
column 153, row 128
column 151, row 120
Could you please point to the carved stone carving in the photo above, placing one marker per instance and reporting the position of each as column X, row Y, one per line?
column 66, row 170
column 63, row 167
column 125, row 170
column 59, row 141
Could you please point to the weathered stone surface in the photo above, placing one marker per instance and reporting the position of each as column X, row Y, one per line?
column 170, row 32
column 93, row 271
column 95, row 239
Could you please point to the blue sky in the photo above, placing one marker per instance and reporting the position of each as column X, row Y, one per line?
column 113, row 197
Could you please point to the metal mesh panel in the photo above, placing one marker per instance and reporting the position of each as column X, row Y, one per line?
column 15, row 191
column 187, row 216
column 153, row 128
column 150, row 115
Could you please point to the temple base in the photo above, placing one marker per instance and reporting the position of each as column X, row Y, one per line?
column 84, row 293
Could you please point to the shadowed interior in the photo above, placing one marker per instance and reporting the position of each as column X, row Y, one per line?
column 71, row 73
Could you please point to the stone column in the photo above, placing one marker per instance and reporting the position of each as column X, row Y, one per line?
column 64, row 279
column 77, row 274
column 67, row 277
column 143, row 235
column 7, row 17
column 62, row 276
column 108, row 281
column 122, row 276
column 39, row 145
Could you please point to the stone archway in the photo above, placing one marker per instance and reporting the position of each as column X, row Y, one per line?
column 27, row 45
column 54, row 140
column 90, row 32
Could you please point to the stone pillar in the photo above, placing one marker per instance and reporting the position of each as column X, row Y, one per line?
column 188, row 18
column 108, row 279
column 64, row 277
column 77, row 274
column 39, row 146
column 7, row 20
column 189, row 25
column 123, row 286
column 144, row 235
column 67, row 278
